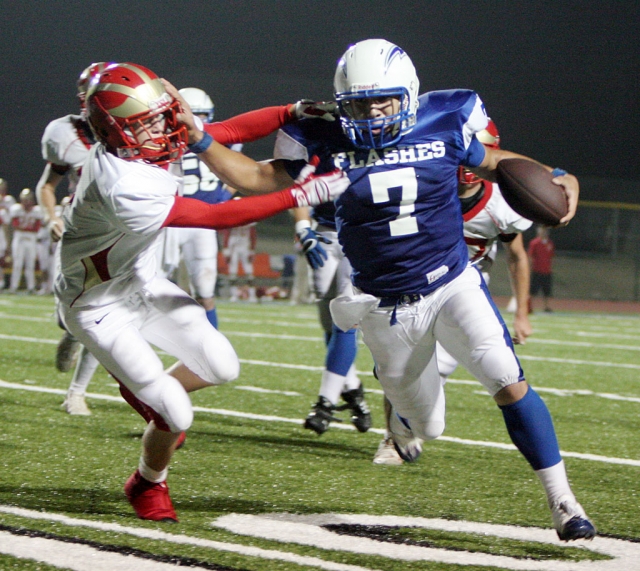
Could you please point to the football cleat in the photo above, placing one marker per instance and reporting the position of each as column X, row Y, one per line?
column 408, row 446
column 75, row 404
column 570, row 520
column 67, row 352
column 360, row 413
column 320, row 416
column 149, row 500
column 387, row 454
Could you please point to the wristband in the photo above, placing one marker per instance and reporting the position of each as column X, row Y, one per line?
column 202, row 145
column 558, row 172
column 302, row 225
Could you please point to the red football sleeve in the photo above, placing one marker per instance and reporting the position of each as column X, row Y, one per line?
column 193, row 213
column 250, row 126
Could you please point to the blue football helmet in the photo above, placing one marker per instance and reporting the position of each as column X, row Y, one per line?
column 376, row 69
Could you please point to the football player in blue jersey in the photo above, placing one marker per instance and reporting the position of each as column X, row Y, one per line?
column 400, row 226
column 331, row 277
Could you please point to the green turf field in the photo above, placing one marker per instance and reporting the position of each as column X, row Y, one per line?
column 255, row 491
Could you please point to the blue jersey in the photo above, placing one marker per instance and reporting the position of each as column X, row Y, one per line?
column 399, row 222
column 200, row 183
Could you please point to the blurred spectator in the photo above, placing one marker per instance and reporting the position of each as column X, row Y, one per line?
column 6, row 202
column 541, row 251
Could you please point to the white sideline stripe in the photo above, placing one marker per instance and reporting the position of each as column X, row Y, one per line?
column 578, row 362
column 137, row 563
column 268, row 391
column 318, row 339
column 76, row 556
column 339, row 426
column 307, row 530
column 585, row 344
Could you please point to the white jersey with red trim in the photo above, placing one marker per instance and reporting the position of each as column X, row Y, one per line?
column 65, row 144
column 489, row 220
column 23, row 220
column 108, row 249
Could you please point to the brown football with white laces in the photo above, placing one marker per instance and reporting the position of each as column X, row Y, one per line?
column 527, row 188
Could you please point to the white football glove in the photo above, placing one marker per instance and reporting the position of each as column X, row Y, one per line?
column 313, row 189
column 309, row 109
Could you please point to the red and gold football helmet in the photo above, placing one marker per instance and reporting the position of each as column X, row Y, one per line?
column 123, row 103
column 85, row 78
column 489, row 137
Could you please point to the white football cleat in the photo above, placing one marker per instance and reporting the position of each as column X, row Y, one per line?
column 75, row 404
column 570, row 520
column 387, row 454
column 407, row 445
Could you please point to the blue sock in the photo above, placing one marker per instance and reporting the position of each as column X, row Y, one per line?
column 341, row 351
column 531, row 429
column 212, row 316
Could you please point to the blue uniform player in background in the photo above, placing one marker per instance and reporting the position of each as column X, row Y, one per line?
column 400, row 226
column 331, row 278
column 199, row 246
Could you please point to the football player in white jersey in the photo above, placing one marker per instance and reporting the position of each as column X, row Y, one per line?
column 25, row 219
column 6, row 202
column 400, row 226
column 487, row 219
column 239, row 247
column 109, row 294
column 65, row 146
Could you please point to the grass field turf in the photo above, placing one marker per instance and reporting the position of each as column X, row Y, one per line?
column 256, row 458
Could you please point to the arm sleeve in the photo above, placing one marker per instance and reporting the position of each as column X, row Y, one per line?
column 249, row 126
column 192, row 213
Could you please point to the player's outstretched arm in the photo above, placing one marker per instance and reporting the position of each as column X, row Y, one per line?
column 519, row 274
column 46, row 196
column 314, row 190
column 570, row 184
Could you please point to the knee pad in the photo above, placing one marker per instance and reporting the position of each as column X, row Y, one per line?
column 496, row 366
column 167, row 397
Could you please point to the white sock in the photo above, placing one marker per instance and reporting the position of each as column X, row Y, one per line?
column 85, row 368
column 331, row 386
column 555, row 482
column 352, row 381
column 150, row 474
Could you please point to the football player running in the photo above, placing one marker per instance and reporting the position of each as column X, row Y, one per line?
column 487, row 219
column 65, row 146
column 109, row 295
column 400, row 225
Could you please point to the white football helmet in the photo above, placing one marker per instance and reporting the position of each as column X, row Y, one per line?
column 376, row 68
column 199, row 102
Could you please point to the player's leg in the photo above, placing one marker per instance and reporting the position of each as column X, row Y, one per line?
column 74, row 402
column 470, row 327
column 30, row 256
column 17, row 254
column 408, row 373
column 200, row 253
column 386, row 453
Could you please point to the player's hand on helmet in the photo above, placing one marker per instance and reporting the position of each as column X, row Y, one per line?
column 309, row 109
column 56, row 228
column 311, row 244
column 193, row 124
column 313, row 189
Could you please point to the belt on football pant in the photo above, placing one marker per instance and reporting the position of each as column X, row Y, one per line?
column 397, row 301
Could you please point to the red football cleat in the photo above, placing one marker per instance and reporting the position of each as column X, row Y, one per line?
column 180, row 441
column 149, row 500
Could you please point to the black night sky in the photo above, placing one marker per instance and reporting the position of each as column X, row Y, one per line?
column 560, row 78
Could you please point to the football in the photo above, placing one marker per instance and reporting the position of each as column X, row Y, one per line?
column 527, row 188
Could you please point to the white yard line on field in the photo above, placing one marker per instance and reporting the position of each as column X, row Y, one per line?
column 271, row 418
column 38, row 549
